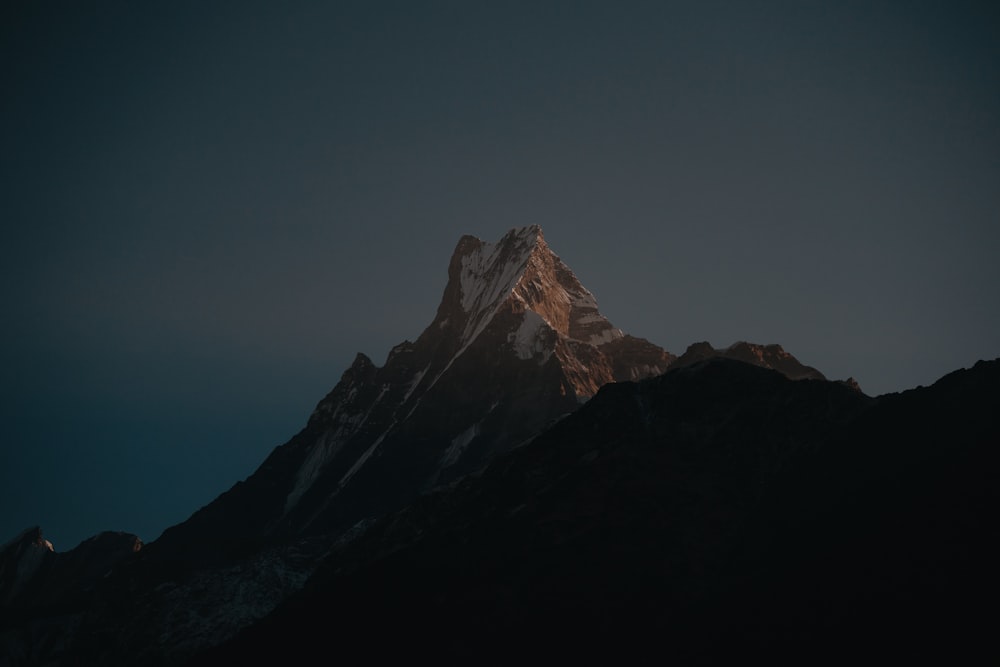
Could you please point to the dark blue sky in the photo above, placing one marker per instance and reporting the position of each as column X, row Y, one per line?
column 209, row 209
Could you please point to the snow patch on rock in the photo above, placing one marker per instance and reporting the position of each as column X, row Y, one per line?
column 415, row 382
column 362, row 460
column 491, row 271
column 458, row 445
column 324, row 450
column 214, row 605
column 606, row 336
column 328, row 446
column 529, row 339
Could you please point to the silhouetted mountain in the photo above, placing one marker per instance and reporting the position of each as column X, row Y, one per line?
column 517, row 345
column 44, row 594
column 517, row 342
column 720, row 512
column 19, row 562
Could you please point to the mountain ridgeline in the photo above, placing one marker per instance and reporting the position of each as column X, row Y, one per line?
column 524, row 473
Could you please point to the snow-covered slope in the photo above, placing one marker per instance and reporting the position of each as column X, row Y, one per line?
column 522, row 268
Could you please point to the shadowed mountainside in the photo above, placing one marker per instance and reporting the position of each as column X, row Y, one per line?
column 718, row 512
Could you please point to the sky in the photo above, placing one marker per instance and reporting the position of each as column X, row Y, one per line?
column 209, row 208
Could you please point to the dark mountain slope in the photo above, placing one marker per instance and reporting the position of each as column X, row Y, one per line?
column 44, row 594
column 718, row 512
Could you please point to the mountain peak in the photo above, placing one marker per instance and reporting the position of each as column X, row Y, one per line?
column 516, row 343
column 519, row 273
column 481, row 275
column 490, row 271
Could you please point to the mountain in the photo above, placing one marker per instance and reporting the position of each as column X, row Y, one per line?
column 516, row 346
column 44, row 594
column 718, row 513
column 19, row 561
column 517, row 342
column 33, row 574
